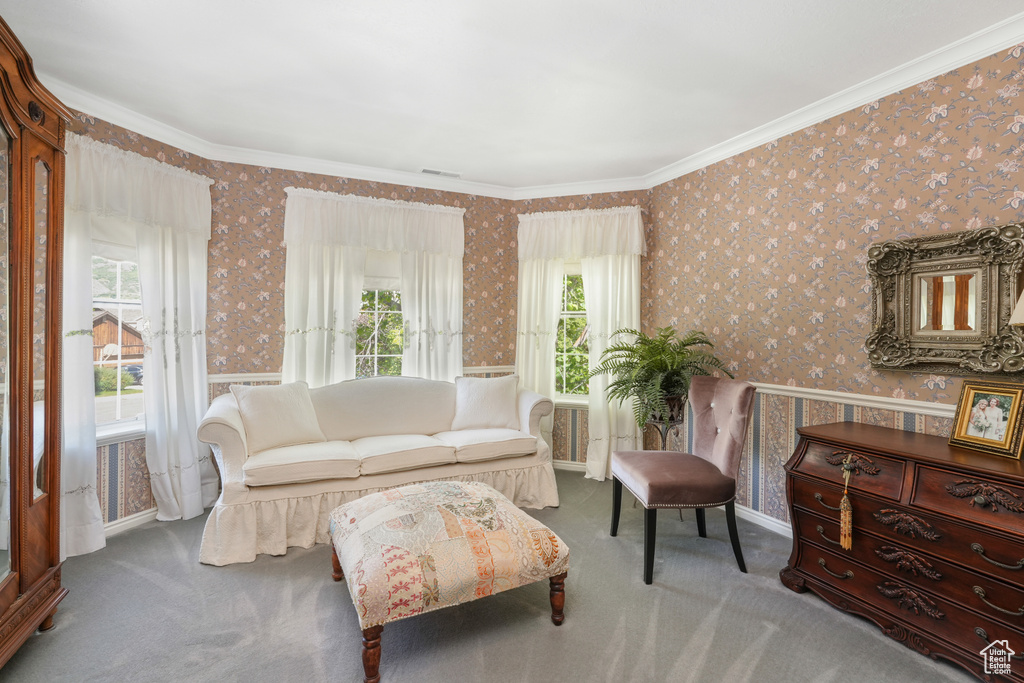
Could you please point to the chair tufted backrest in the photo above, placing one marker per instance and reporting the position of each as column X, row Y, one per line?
column 721, row 414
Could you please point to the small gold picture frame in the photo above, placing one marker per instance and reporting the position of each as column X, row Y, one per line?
column 988, row 418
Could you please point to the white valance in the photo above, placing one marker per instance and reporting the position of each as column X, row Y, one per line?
column 573, row 235
column 314, row 217
column 120, row 192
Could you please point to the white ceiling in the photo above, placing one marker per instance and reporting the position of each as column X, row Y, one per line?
column 524, row 98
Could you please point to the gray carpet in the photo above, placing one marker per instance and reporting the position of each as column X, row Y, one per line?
column 144, row 609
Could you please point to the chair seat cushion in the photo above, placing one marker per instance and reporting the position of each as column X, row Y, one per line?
column 475, row 445
column 672, row 479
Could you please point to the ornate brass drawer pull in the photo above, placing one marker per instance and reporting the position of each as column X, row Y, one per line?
column 858, row 463
column 821, row 532
column 908, row 525
column 981, row 633
column 980, row 592
column 984, row 495
column 848, row 574
column 976, row 547
column 817, row 497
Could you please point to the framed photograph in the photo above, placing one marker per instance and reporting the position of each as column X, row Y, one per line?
column 988, row 418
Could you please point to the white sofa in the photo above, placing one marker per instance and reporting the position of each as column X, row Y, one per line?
column 359, row 437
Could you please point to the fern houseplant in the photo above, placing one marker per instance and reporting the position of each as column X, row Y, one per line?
column 655, row 371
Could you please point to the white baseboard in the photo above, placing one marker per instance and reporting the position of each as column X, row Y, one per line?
column 571, row 466
column 124, row 524
column 763, row 520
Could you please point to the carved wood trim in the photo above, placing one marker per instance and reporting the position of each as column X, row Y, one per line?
column 984, row 494
column 858, row 464
column 910, row 599
column 908, row 562
column 908, row 525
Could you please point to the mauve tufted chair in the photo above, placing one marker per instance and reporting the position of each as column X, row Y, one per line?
column 706, row 478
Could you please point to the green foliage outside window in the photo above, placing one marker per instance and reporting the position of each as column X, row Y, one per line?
column 379, row 334
column 572, row 353
column 105, row 380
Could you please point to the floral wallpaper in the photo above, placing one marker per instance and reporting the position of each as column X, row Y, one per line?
column 766, row 250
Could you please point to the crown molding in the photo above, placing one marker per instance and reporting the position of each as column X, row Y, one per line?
column 984, row 43
column 93, row 105
column 964, row 51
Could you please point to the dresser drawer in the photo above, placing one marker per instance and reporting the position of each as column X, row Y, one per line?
column 975, row 590
column 970, row 498
column 926, row 611
column 870, row 473
column 979, row 550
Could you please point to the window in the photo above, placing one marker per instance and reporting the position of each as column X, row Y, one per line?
column 572, row 355
column 379, row 334
column 117, row 340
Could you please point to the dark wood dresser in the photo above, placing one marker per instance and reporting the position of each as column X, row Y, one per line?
column 938, row 539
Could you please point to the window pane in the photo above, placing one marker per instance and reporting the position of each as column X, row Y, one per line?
column 576, row 335
column 119, row 375
column 574, row 293
column 576, row 369
column 390, row 333
column 379, row 334
column 389, row 365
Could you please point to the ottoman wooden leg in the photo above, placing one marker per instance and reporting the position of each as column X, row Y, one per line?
column 558, row 598
column 337, row 574
column 371, row 654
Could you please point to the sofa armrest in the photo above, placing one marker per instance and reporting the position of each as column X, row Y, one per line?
column 222, row 426
column 532, row 407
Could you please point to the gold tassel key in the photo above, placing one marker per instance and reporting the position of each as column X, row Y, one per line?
column 846, row 510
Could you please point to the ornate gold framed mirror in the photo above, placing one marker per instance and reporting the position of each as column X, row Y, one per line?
column 942, row 303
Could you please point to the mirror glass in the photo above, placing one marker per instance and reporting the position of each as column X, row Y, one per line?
column 41, row 181
column 947, row 303
column 5, row 392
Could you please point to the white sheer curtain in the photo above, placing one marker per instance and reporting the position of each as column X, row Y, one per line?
column 328, row 237
column 80, row 515
column 127, row 202
column 538, row 305
column 608, row 244
column 432, row 314
column 611, row 288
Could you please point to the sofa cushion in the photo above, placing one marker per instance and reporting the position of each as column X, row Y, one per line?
column 397, row 452
column 274, row 416
column 486, row 403
column 306, row 462
column 379, row 406
column 474, row 445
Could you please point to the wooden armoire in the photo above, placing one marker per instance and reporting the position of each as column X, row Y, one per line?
column 32, row 124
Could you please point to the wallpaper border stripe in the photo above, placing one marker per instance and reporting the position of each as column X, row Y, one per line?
column 964, row 51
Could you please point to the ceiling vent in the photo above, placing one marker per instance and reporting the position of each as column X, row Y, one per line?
column 443, row 174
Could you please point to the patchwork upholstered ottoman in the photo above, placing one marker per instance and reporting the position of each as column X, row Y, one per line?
column 422, row 547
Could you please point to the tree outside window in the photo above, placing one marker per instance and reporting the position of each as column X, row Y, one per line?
column 117, row 340
column 572, row 353
column 379, row 339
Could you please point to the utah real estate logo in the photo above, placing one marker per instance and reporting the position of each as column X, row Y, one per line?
column 997, row 657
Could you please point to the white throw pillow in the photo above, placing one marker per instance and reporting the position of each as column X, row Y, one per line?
column 279, row 415
column 486, row 403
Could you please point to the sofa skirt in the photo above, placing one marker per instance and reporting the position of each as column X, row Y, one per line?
column 239, row 531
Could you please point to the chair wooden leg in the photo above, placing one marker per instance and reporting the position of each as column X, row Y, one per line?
column 616, row 504
column 734, row 536
column 650, row 526
column 371, row 654
column 558, row 598
column 702, row 529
